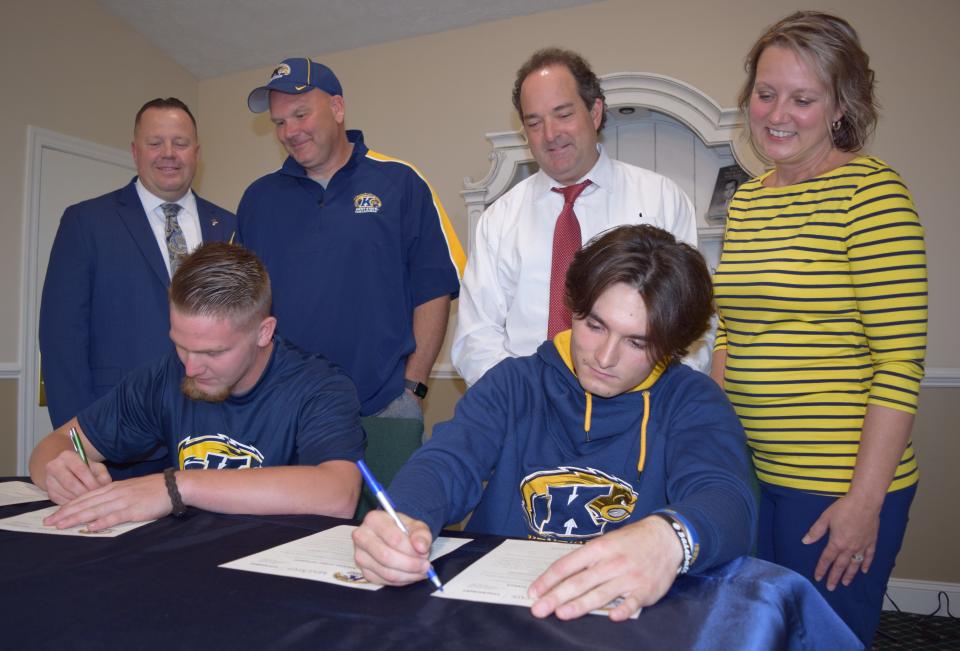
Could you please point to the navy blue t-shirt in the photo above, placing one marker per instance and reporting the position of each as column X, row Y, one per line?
column 302, row 411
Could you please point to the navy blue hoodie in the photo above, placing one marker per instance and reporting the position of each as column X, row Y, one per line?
column 562, row 464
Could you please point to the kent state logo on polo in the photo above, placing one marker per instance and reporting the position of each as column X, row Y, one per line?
column 366, row 202
column 574, row 503
column 217, row 451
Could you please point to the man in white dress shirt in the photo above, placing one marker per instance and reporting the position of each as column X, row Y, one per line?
column 505, row 295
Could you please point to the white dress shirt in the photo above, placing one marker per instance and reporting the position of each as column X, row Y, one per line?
column 504, row 297
column 188, row 218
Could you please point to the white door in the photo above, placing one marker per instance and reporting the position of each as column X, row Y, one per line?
column 61, row 171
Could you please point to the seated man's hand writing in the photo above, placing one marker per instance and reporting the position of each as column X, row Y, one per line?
column 387, row 555
column 68, row 477
column 58, row 469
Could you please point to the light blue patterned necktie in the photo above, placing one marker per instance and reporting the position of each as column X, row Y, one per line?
column 176, row 243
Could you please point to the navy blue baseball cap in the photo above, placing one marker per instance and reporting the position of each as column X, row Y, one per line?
column 294, row 76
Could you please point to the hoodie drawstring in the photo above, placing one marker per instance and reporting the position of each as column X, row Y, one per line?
column 587, row 414
column 643, row 430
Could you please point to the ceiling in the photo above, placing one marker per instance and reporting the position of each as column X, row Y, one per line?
column 211, row 38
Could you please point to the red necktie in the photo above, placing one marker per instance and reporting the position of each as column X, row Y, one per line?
column 566, row 242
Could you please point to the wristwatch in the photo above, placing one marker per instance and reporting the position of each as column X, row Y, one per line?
column 419, row 388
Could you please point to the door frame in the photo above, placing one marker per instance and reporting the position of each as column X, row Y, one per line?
column 39, row 139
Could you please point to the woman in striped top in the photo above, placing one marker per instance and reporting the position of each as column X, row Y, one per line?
column 822, row 294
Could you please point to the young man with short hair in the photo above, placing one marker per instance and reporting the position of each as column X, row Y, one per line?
column 233, row 396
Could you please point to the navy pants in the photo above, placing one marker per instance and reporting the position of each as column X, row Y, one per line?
column 786, row 515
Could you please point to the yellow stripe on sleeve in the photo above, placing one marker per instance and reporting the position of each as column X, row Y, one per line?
column 454, row 249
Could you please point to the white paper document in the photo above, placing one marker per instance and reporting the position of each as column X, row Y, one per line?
column 32, row 522
column 20, row 492
column 503, row 575
column 326, row 556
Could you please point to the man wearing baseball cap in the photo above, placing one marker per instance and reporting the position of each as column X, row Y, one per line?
column 363, row 258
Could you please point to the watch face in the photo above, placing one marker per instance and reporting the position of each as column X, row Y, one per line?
column 419, row 389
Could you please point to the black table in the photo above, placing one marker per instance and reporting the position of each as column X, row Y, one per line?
column 159, row 587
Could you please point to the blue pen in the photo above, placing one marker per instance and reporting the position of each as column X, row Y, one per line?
column 387, row 505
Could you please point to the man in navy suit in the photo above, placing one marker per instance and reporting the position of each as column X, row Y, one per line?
column 104, row 309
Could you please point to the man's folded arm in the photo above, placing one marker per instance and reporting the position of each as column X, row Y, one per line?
column 330, row 488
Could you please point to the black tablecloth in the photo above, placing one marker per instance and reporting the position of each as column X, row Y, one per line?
column 159, row 587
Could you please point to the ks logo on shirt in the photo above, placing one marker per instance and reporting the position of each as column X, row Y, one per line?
column 217, row 451
column 366, row 202
column 573, row 503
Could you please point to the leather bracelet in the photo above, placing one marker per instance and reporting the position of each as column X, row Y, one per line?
column 690, row 548
column 170, row 479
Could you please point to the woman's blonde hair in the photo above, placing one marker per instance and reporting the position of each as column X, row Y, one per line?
column 832, row 48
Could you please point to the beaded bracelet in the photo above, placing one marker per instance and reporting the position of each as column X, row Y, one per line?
column 691, row 533
column 684, row 532
column 170, row 479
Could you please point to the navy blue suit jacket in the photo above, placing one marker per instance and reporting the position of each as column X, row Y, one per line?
column 104, row 309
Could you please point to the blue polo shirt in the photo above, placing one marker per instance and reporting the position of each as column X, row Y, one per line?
column 349, row 263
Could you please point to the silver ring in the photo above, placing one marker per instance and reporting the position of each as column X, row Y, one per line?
column 857, row 558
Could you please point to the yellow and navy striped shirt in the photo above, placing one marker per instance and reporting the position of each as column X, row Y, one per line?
column 822, row 293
